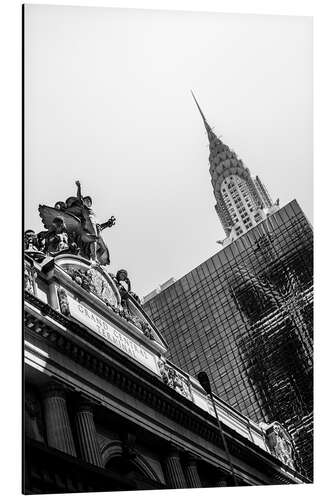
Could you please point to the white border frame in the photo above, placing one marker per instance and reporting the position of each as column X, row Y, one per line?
column 10, row 95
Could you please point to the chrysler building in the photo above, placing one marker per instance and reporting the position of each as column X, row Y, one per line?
column 241, row 200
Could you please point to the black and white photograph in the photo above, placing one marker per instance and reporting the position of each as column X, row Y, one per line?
column 168, row 250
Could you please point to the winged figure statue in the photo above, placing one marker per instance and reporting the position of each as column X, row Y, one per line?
column 80, row 225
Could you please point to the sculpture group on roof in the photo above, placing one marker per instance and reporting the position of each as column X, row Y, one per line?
column 71, row 227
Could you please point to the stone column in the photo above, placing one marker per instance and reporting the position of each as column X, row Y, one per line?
column 58, row 429
column 173, row 469
column 86, row 432
column 191, row 472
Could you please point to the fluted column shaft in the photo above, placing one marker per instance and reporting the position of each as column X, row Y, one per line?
column 173, row 470
column 86, row 433
column 191, row 473
column 58, row 429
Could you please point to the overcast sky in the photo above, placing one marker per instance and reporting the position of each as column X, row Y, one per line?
column 108, row 102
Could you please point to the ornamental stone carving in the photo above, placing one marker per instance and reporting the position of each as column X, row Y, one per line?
column 130, row 309
column 33, row 246
column 63, row 301
column 56, row 239
column 30, row 241
column 174, row 379
column 279, row 443
column 29, row 278
column 125, row 289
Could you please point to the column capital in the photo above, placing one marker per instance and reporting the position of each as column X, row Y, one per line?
column 190, row 458
column 84, row 403
column 173, row 449
column 53, row 389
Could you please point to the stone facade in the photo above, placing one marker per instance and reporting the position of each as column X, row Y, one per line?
column 107, row 411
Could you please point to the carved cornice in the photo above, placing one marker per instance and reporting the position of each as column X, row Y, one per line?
column 157, row 395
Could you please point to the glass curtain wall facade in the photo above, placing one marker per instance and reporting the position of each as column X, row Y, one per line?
column 245, row 317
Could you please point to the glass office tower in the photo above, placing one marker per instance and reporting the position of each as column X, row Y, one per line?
column 246, row 317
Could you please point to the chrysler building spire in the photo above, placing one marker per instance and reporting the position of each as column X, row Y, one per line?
column 241, row 201
column 210, row 132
